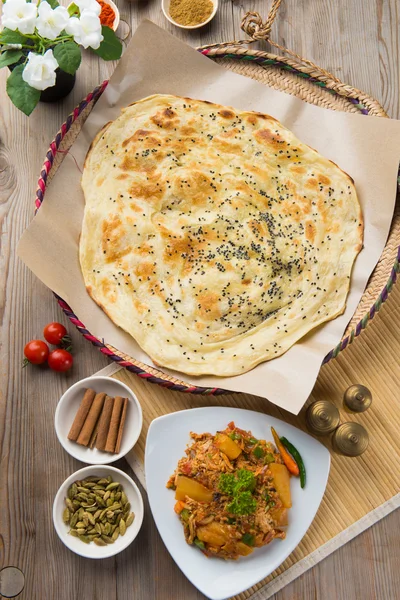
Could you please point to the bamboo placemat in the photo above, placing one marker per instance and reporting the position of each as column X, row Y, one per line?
column 360, row 490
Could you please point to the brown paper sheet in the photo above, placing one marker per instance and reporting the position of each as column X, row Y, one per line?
column 156, row 62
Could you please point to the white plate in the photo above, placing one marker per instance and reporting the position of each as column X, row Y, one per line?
column 217, row 578
column 69, row 404
column 91, row 550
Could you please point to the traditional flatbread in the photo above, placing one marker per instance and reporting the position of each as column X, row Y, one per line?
column 214, row 236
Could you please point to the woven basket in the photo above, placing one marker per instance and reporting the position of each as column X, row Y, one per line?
column 293, row 75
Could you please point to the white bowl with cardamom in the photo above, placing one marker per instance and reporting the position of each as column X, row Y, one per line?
column 92, row 550
column 68, row 406
column 165, row 6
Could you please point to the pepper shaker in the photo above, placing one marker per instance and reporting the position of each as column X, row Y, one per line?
column 357, row 398
column 350, row 439
column 322, row 417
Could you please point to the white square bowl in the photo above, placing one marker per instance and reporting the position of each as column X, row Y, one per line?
column 167, row 439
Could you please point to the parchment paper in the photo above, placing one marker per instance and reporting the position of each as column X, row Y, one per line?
column 367, row 148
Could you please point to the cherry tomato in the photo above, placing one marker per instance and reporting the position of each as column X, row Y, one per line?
column 60, row 360
column 36, row 352
column 54, row 333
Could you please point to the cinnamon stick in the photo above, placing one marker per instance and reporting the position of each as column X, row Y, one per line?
column 114, row 424
column 91, row 419
column 104, row 423
column 93, row 437
column 121, row 426
column 81, row 414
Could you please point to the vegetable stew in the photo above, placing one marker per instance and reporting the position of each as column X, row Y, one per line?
column 232, row 492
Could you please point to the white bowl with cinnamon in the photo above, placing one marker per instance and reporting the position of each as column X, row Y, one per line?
column 98, row 420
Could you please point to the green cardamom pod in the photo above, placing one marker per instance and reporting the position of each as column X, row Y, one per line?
column 69, row 505
column 74, row 520
column 122, row 527
column 107, row 539
column 66, row 515
column 112, row 485
column 84, row 538
column 99, row 542
column 130, row 519
column 103, row 481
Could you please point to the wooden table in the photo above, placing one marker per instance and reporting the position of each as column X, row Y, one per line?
column 359, row 42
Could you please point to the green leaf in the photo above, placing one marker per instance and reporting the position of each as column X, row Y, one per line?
column 7, row 36
column 21, row 94
column 73, row 9
column 10, row 57
column 68, row 56
column 53, row 3
column 110, row 48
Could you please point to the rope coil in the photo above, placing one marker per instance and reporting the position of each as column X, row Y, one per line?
column 253, row 25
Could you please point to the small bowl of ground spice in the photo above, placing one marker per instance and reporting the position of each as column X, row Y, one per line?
column 189, row 14
column 109, row 14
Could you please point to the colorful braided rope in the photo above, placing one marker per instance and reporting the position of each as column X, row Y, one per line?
column 193, row 389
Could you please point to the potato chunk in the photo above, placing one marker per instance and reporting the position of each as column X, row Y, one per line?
column 227, row 446
column 215, row 534
column 280, row 516
column 282, row 483
column 192, row 488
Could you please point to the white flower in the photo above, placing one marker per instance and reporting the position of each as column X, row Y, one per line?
column 91, row 5
column 86, row 30
column 50, row 23
column 40, row 71
column 21, row 15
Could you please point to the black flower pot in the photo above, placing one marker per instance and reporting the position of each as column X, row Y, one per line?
column 64, row 84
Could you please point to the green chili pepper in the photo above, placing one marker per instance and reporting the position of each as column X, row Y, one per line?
column 248, row 539
column 258, row 452
column 299, row 461
column 199, row 544
column 253, row 441
column 269, row 458
column 185, row 514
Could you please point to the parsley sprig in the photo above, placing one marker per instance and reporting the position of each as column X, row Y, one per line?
column 240, row 486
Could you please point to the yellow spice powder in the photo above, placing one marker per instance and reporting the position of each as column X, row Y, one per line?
column 190, row 12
